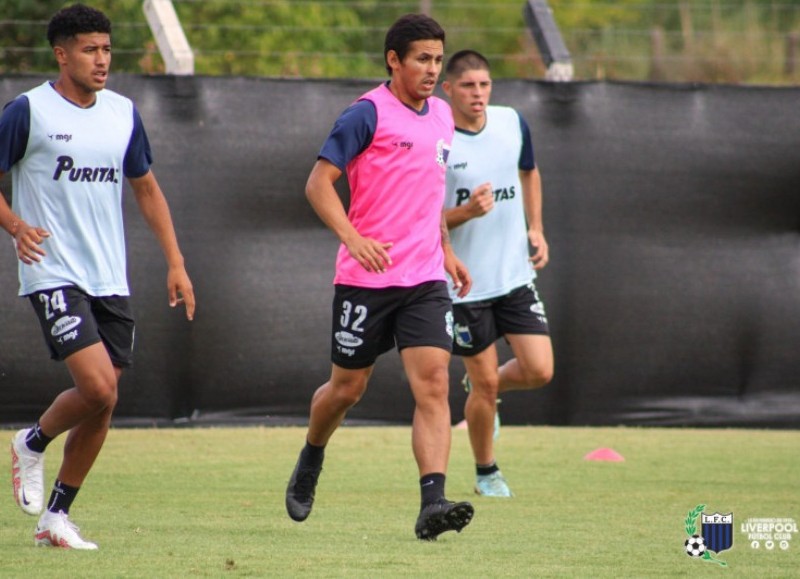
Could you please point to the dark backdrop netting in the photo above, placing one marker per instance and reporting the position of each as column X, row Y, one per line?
column 672, row 212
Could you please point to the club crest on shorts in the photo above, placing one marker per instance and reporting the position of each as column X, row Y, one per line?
column 463, row 336
column 716, row 534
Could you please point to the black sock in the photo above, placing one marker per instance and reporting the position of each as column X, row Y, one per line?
column 61, row 498
column 484, row 469
column 36, row 440
column 432, row 487
column 312, row 456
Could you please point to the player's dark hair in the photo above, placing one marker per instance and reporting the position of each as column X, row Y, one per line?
column 408, row 29
column 76, row 19
column 465, row 60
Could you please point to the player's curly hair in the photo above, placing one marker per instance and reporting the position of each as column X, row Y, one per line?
column 408, row 29
column 76, row 19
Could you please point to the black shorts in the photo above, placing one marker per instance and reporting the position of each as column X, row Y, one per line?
column 73, row 320
column 479, row 324
column 368, row 322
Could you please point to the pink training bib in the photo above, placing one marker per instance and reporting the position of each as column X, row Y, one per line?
column 397, row 192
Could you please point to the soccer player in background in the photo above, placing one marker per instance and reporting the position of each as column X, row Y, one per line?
column 68, row 145
column 390, row 283
column 493, row 208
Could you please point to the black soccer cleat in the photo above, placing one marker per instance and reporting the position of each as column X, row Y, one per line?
column 300, row 492
column 443, row 515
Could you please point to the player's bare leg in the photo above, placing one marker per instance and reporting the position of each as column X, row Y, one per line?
column 532, row 365
column 329, row 406
column 427, row 371
column 481, row 404
column 85, row 410
column 428, row 375
column 332, row 400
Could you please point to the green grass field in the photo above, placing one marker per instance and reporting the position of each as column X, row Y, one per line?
column 209, row 503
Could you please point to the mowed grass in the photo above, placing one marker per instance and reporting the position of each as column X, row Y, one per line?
column 209, row 503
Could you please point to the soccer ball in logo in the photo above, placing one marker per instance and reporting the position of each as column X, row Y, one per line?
column 695, row 546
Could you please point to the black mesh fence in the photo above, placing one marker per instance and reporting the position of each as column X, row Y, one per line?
column 673, row 294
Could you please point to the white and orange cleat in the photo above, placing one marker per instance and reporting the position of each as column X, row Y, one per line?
column 27, row 475
column 56, row 530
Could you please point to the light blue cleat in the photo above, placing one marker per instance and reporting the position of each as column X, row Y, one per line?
column 492, row 485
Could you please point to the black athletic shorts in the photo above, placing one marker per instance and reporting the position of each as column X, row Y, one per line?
column 368, row 322
column 479, row 324
column 73, row 320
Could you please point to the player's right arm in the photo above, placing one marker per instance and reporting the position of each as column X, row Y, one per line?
column 27, row 239
column 370, row 253
column 351, row 135
column 14, row 128
column 480, row 202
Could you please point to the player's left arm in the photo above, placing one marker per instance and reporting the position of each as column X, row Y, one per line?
column 532, row 199
column 155, row 210
column 454, row 267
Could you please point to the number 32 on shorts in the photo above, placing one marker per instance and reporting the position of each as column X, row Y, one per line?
column 355, row 314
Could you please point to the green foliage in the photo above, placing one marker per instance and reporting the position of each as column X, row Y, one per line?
column 23, row 35
column 734, row 41
column 580, row 15
column 26, row 31
column 277, row 39
column 691, row 519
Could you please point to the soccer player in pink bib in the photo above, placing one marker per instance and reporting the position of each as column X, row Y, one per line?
column 390, row 282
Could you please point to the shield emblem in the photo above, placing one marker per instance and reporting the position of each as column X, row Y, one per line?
column 463, row 336
column 718, row 531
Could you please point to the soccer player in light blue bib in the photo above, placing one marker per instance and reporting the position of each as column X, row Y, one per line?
column 69, row 145
column 493, row 208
